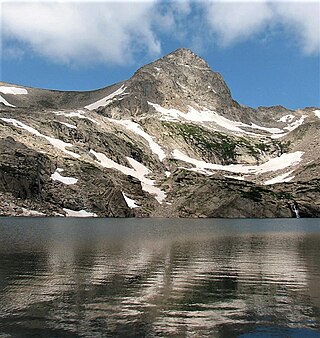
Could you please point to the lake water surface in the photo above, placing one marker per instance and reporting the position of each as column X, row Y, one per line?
column 159, row 277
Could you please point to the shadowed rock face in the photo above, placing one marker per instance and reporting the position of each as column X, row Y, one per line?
column 170, row 141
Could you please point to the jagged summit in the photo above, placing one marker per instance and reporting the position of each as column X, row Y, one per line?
column 185, row 56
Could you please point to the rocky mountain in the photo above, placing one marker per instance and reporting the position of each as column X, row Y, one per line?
column 169, row 142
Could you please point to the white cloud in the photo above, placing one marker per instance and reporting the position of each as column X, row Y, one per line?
column 233, row 22
column 237, row 21
column 79, row 32
column 302, row 19
column 82, row 32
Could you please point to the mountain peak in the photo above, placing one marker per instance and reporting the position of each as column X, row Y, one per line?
column 185, row 56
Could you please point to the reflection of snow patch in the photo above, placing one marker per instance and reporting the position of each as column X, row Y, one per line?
column 80, row 213
column 130, row 202
column 274, row 164
column 106, row 100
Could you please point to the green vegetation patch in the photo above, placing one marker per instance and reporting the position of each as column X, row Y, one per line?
column 207, row 142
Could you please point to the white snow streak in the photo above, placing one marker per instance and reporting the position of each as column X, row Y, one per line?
column 138, row 171
column 274, row 164
column 239, row 178
column 106, row 100
column 5, row 102
column 13, row 90
column 130, row 202
column 72, row 126
column 194, row 115
column 269, row 130
column 79, row 114
column 63, row 179
column 280, row 179
column 80, row 213
column 61, row 145
column 136, row 128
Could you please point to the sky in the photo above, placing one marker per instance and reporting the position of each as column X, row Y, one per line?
column 268, row 52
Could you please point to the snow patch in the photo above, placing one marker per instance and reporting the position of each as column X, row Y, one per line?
column 13, row 90
column 107, row 100
column 5, row 102
column 239, row 178
column 269, row 130
column 78, row 113
column 317, row 113
column 280, row 179
column 278, row 135
column 63, row 179
column 295, row 124
column 61, row 145
column 80, row 213
column 194, row 115
column 72, row 126
column 138, row 171
column 286, row 118
column 274, row 164
column 130, row 202
column 136, row 128
column 28, row 212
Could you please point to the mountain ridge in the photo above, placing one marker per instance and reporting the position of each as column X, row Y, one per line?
column 170, row 141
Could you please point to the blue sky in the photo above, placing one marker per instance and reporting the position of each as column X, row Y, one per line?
column 268, row 52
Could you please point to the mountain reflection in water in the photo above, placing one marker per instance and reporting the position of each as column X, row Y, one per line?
column 154, row 277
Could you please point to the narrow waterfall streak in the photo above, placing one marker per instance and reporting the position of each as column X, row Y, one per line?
column 296, row 210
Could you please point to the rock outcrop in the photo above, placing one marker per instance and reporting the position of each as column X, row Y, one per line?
column 168, row 142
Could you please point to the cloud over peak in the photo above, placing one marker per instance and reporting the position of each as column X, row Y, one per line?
column 118, row 32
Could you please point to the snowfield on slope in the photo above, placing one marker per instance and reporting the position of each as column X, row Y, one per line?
column 13, row 90
column 138, row 171
column 5, row 102
column 194, row 115
column 79, row 113
column 61, row 145
column 63, row 179
column 136, row 128
column 107, row 100
column 130, row 202
column 280, row 179
column 274, row 164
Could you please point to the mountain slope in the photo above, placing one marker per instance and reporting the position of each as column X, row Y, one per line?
column 170, row 141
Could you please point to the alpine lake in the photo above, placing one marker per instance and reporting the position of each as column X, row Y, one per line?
column 72, row 277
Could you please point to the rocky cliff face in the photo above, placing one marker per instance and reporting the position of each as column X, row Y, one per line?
column 168, row 142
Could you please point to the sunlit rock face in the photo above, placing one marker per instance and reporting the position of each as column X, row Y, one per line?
column 170, row 142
